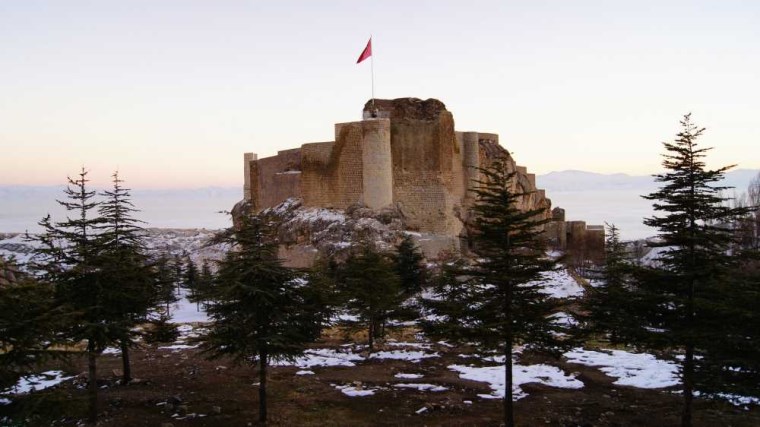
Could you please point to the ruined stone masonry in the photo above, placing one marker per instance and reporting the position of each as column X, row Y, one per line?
column 405, row 155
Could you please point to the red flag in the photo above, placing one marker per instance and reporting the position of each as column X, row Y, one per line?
column 366, row 53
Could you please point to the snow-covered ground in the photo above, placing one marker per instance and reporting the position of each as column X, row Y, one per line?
column 629, row 369
column 421, row 386
column 15, row 246
column 192, row 243
column 559, row 284
column 408, row 376
column 495, row 377
column 184, row 311
column 36, row 382
column 408, row 355
column 324, row 357
column 652, row 258
column 356, row 390
column 563, row 319
column 640, row 370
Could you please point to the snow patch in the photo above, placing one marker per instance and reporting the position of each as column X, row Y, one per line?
column 112, row 351
column 322, row 357
column 184, row 311
column 421, row 386
column 408, row 376
column 355, row 391
column 37, row 382
column 560, row 284
column 408, row 344
column 178, row 347
column 412, row 356
column 640, row 370
column 494, row 376
column 563, row 319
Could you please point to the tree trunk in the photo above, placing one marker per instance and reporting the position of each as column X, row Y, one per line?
column 688, row 385
column 263, row 387
column 688, row 360
column 92, row 385
column 371, row 334
column 126, row 367
column 509, row 411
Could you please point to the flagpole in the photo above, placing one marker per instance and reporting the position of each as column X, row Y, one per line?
column 372, row 68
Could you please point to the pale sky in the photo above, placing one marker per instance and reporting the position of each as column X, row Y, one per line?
column 173, row 92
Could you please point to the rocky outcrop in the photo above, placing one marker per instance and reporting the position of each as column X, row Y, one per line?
column 8, row 272
column 308, row 233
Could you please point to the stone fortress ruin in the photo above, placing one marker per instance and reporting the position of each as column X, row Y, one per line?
column 406, row 156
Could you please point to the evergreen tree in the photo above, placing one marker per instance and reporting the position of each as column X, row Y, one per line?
column 682, row 301
column 179, row 272
column 607, row 304
column 451, row 286
column 27, row 321
column 69, row 259
column 205, row 283
column 164, row 283
column 498, row 300
column 129, row 294
column 409, row 266
column 371, row 290
column 190, row 278
column 729, row 350
column 260, row 309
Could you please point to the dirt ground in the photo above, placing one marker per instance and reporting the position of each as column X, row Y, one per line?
column 184, row 382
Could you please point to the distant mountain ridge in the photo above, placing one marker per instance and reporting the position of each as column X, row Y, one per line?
column 593, row 197
column 616, row 198
column 23, row 206
column 575, row 180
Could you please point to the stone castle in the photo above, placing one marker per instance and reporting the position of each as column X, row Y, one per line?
column 405, row 154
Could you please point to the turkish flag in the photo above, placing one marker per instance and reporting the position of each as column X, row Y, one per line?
column 366, row 53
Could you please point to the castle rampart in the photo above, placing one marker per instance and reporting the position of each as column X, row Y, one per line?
column 405, row 154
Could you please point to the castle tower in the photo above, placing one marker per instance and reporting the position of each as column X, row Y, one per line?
column 471, row 163
column 247, row 159
column 377, row 165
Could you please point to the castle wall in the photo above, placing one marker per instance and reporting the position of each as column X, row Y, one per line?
column 315, row 177
column 471, row 161
column 333, row 172
column 409, row 156
column 247, row 159
column 279, row 176
column 423, row 151
column 377, row 175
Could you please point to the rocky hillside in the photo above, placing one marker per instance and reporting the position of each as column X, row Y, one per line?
column 192, row 243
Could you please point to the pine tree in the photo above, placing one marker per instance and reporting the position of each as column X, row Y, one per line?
column 179, row 272
column 371, row 290
column 730, row 348
column 498, row 301
column 68, row 258
column 451, row 286
column 27, row 319
column 130, row 293
column 684, row 297
column 607, row 304
column 409, row 266
column 260, row 308
column 190, row 278
column 164, row 283
column 205, row 283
